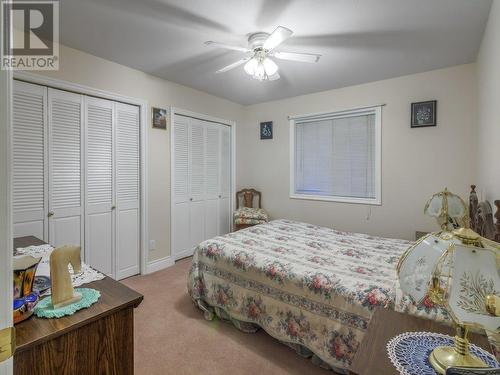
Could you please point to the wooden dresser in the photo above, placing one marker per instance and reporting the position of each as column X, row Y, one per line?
column 98, row 340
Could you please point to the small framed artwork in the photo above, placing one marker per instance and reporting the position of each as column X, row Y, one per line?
column 266, row 130
column 159, row 118
column 423, row 114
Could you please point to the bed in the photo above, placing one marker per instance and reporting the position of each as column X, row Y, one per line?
column 312, row 288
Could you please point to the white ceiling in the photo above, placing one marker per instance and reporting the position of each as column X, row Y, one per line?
column 360, row 40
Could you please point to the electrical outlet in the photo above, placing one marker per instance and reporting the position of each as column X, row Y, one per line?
column 152, row 245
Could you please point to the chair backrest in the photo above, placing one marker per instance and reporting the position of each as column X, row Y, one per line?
column 246, row 196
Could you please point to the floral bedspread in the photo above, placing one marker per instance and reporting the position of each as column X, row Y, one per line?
column 303, row 284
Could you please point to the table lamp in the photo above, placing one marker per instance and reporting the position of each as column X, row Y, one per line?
column 457, row 269
column 449, row 210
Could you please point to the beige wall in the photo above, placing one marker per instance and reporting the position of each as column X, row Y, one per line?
column 415, row 162
column 488, row 67
column 85, row 69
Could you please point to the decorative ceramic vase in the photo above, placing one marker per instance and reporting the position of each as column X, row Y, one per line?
column 24, row 298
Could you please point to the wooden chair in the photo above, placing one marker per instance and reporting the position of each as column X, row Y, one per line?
column 247, row 198
column 482, row 219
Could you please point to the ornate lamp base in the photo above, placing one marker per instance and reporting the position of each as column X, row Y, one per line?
column 446, row 356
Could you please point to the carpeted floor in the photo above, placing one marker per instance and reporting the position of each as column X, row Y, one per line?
column 172, row 337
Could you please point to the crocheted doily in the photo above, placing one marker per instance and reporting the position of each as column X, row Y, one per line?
column 409, row 352
column 44, row 309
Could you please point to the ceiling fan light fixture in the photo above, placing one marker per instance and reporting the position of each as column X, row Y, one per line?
column 260, row 72
column 270, row 66
column 261, row 46
column 251, row 66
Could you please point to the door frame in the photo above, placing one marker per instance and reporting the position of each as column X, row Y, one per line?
column 232, row 127
column 144, row 150
column 6, row 252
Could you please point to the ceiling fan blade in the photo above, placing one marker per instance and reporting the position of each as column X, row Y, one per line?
column 293, row 56
column 277, row 37
column 226, row 46
column 233, row 65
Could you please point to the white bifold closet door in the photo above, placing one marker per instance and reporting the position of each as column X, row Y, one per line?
column 202, row 183
column 29, row 168
column 213, row 179
column 127, row 190
column 99, row 192
column 225, row 214
column 76, row 175
column 197, row 182
column 65, row 155
column 218, row 176
column 181, row 199
column 112, row 223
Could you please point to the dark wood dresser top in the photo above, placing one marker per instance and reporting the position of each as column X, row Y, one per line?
column 114, row 297
column 372, row 358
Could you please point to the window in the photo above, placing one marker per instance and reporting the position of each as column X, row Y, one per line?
column 336, row 156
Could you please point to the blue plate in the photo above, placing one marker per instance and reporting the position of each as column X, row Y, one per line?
column 18, row 303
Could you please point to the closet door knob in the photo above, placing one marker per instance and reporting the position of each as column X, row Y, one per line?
column 190, row 199
column 220, row 196
column 113, row 207
column 50, row 214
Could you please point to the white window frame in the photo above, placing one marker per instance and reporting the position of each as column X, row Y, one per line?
column 373, row 110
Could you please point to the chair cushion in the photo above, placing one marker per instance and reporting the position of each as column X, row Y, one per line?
column 246, row 215
column 245, row 221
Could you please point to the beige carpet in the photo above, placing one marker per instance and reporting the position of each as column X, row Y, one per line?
column 172, row 337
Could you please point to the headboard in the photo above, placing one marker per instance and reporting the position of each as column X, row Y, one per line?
column 482, row 220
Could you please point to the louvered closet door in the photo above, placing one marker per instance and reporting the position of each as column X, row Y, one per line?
column 212, row 175
column 99, row 194
column 180, row 185
column 127, row 190
column 197, row 183
column 225, row 216
column 28, row 160
column 65, row 168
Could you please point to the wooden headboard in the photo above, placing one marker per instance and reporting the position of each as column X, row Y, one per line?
column 482, row 219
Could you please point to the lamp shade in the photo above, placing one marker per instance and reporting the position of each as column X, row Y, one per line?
column 250, row 66
column 417, row 265
column 446, row 207
column 260, row 72
column 270, row 66
column 475, row 276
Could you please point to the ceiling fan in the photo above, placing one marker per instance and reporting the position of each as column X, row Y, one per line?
column 261, row 47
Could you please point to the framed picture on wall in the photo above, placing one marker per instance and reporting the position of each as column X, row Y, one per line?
column 159, row 118
column 266, row 130
column 424, row 114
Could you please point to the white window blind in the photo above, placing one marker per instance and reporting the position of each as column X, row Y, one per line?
column 336, row 156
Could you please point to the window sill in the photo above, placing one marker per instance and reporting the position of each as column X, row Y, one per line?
column 368, row 201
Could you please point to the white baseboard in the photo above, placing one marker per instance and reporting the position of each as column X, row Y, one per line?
column 159, row 264
column 184, row 254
